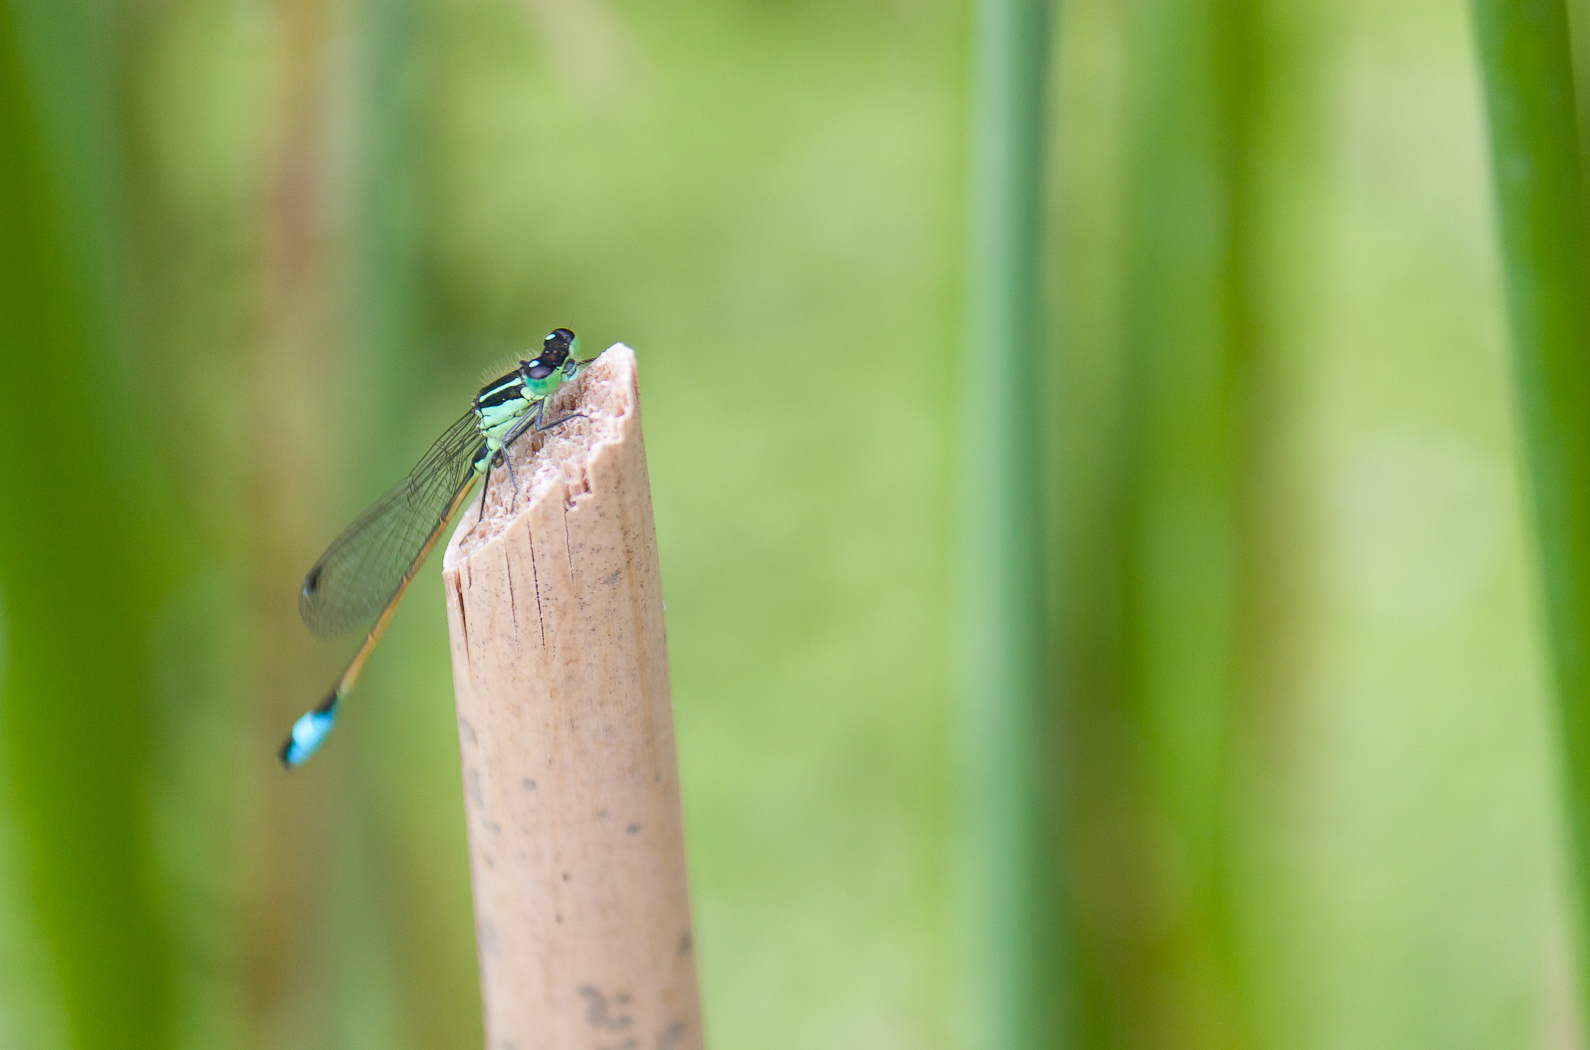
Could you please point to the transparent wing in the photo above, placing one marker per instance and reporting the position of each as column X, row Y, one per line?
column 364, row 567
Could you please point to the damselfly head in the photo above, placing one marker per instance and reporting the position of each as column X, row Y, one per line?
column 559, row 345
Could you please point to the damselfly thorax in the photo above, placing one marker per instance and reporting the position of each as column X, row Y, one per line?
column 507, row 405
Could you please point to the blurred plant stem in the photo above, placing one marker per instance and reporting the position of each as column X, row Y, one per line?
column 1545, row 240
column 81, row 569
column 1177, row 568
column 295, row 424
column 1019, row 918
column 410, row 807
column 388, row 218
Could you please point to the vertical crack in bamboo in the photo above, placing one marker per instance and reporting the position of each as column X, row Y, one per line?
column 570, row 777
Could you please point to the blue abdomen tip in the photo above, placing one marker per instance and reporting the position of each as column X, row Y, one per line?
column 309, row 732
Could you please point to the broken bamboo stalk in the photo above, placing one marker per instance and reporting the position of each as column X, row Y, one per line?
column 565, row 721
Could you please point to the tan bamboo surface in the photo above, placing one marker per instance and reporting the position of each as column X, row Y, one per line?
column 565, row 720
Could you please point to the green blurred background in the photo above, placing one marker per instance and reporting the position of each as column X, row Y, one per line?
column 256, row 255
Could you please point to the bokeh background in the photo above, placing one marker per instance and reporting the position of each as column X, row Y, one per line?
column 257, row 254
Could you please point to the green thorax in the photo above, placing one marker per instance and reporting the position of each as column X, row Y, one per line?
column 502, row 405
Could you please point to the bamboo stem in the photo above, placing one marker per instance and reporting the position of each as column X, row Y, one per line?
column 565, row 721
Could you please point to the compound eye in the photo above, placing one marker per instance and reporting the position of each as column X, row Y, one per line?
column 539, row 369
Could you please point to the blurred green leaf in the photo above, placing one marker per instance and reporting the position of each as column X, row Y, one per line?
column 1536, row 154
column 81, row 576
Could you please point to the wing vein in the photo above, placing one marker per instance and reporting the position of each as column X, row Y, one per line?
column 364, row 567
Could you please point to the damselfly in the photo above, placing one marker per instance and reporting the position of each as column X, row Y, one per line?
column 366, row 570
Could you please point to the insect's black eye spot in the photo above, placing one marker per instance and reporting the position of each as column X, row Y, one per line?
column 312, row 581
column 555, row 348
column 539, row 369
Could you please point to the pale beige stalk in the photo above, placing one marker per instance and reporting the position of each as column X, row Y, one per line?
column 565, row 719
